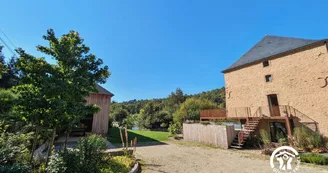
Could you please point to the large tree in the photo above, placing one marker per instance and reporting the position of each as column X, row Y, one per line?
column 53, row 95
column 191, row 109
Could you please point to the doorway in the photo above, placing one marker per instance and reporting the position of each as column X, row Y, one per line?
column 277, row 131
column 273, row 105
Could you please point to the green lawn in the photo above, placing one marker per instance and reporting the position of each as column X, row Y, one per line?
column 142, row 136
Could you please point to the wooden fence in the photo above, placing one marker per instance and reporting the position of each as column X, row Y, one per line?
column 212, row 114
column 217, row 135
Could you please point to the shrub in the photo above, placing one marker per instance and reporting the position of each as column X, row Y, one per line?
column 282, row 140
column 15, row 168
column 57, row 164
column 306, row 139
column 90, row 152
column 119, row 164
column 174, row 128
column 314, row 158
column 265, row 138
column 87, row 158
column 14, row 148
column 253, row 142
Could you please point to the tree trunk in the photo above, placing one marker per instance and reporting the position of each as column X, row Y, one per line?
column 65, row 143
column 34, row 143
column 50, row 145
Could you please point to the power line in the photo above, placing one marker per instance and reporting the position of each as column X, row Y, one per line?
column 8, row 39
column 14, row 54
column 9, row 48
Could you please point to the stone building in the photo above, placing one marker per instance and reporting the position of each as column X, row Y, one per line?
column 280, row 83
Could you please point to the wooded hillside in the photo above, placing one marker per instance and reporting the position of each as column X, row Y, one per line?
column 160, row 113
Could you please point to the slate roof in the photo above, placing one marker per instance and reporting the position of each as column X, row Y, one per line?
column 102, row 90
column 270, row 46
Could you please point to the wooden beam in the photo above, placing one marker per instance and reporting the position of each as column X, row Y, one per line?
column 289, row 130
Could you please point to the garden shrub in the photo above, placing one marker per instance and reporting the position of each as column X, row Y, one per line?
column 15, row 168
column 282, row 140
column 265, row 138
column 57, row 164
column 86, row 158
column 174, row 128
column 314, row 158
column 90, row 152
column 253, row 141
column 119, row 164
column 14, row 148
column 306, row 139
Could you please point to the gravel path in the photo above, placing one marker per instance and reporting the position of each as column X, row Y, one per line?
column 178, row 158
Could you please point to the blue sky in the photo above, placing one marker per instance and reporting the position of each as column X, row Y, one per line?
column 154, row 46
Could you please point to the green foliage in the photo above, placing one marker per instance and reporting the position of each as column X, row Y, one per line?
column 87, row 158
column 14, row 148
column 282, row 140
column 253, row 141
column 118, row 164
column 306, row 139
column 3, row 68
column 175, row 128
column 150, row 116
column 54, row 95
column 265, row 137
column 7, row 100
column 118, row 113
column 90, row 149
column 158, row 113
column 192, row 108
column 129, row 121
column 8, row 72
column 15, row 168
column 57, row 164
column 314, row 158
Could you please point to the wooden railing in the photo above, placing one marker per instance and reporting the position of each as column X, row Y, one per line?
column 213, row 114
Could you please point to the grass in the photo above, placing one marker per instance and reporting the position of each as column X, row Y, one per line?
column 314, row 159
column 142, row 136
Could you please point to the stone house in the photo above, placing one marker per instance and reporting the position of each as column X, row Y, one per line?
column 279, row 84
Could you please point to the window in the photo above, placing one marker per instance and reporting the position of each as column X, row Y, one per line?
column 266, row 63
column 268, row 78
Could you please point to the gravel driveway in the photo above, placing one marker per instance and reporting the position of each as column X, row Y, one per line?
column 177, row 158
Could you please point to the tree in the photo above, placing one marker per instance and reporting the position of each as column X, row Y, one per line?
column 53, row 96
column 174, row 100
column 2, row 63
column 192, row 107
column 119, row 115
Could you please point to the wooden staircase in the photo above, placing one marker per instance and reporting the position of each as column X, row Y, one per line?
column 250, row 126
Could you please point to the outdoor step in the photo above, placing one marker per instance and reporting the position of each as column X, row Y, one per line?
column 236, row 147
column 237, row 144
column 248, row 130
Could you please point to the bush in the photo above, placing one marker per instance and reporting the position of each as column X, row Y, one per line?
column 57, row 164
column 314, row 158
column 119, row 164
column 282, row 140
column 265, row 138
column 253, row 142
column 306, row 139
column 14, row 148
column 15, row 168
column 90, row 152
column 87, row 158
column 174, row 128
